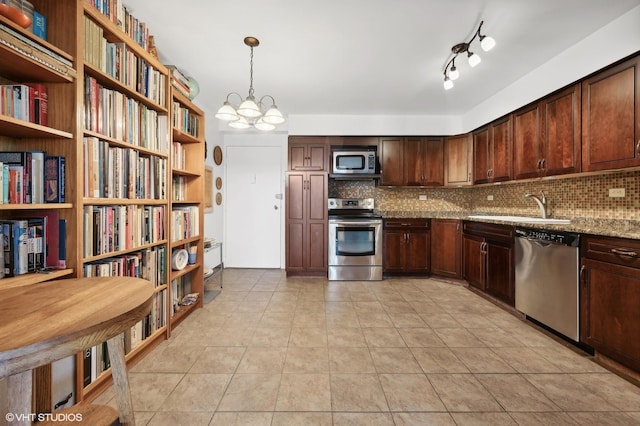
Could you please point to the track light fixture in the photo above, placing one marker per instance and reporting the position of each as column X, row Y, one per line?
column 450, row 71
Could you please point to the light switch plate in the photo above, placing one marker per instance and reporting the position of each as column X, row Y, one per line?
column 422, row 198
column 616, row 192
column 490, row 197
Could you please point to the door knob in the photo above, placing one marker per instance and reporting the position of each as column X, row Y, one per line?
column 275, row 207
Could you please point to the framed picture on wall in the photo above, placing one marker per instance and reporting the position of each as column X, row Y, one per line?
column 208, row 189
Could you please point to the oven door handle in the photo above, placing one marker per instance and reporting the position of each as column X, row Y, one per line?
column 368, row 224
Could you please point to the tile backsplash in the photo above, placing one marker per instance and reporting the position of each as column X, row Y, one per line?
column 571, row 197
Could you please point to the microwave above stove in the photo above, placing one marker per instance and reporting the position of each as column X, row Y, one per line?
column 354, row 161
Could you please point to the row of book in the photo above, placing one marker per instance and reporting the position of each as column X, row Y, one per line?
column 31, row 177
column 186, row 222
column 95, row 360
column 121, row 63
column 113, row 228
column 35, row 51
column 184, row 119
column 114, row 115
column 179, row 156
column 179, row 188
column 180, row 287
column 149, row 264
column 115, row 172
column 28, row 102
column 120, row 15
column 179, row 81
column 33, row 242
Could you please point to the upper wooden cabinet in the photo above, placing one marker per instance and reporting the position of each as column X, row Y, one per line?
column 458, row 160
column 412, row 161
column 392, row 161
column 611, row 118
column 546, row 136
column 308, row 153
column 492, row 152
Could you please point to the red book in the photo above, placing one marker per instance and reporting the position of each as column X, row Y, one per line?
column 39, row 103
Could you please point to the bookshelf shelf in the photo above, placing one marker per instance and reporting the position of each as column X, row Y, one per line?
column 23, row 129
column 34, row 38
column 180, row 172
column 179, row 243
column 26, row 207
column 123, row 144
column 182, row 137
column 123, row 252
column 27, row 69
column 187, row 270
column 184, row 312
column 123, row 201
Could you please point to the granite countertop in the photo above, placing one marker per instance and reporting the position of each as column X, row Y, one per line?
column 622, row 228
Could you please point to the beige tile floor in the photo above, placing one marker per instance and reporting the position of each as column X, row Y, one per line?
column 271, row 350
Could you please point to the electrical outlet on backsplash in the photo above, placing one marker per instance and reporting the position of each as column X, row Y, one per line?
column 571, row 197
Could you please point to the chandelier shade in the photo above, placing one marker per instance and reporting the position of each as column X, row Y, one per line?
column 249, row 113
column 451, row 73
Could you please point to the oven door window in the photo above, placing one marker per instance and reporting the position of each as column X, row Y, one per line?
column 355, row 241
column 350, row 162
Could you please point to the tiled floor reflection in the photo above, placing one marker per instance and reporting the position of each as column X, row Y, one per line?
column 271, row 350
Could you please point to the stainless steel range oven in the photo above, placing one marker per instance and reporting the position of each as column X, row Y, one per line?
column 355, row 240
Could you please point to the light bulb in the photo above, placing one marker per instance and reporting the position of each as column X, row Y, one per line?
column 448, row 84
column 240, row 123
column 227, row 112
column 473, row 59
column 453, row 73
column 487, row 43
column 249, row 108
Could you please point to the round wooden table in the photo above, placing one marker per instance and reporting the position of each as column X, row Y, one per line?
column 44, row 322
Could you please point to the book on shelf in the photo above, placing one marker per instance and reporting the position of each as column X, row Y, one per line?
column 25, row 183
column 39, row 25
column 55, row 235
column 36, row 247
column 15, row 247
column 54, row 179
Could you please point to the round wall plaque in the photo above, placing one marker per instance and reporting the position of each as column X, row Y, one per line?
column 217, row 155
column 218, row 183
column 218, row 198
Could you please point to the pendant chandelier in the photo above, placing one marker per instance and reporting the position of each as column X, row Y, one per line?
column 249, row 113
column 450, row 71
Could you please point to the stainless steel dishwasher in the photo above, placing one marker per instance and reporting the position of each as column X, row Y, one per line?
column 547, row 264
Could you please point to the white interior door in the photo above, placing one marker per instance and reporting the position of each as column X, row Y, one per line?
column 253, row 207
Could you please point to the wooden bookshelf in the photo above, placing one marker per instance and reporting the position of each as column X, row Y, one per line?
column 187, row 123
column 65, row 135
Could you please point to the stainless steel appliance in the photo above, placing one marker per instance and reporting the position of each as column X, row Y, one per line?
column 547, row 269
column 356, row 160
column 355, row 240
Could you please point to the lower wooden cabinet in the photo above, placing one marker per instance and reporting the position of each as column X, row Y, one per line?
column 446, row 247
column 488, row 259
column 406, row 247
column 610, row 297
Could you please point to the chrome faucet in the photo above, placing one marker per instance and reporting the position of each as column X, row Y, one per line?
column 542, row 203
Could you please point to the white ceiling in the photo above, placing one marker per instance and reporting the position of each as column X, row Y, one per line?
column 383, row 57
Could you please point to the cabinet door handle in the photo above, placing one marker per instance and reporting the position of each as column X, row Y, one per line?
column 543, row 164
column 638, row 147
column 624, row 252
column 582, row 268
column 538, row 163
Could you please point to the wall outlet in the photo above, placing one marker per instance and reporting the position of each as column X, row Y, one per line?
column 422, row 197
column 616, row 192
column 490, row 197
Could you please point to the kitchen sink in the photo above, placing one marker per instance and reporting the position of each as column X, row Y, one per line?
column 522, row 219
